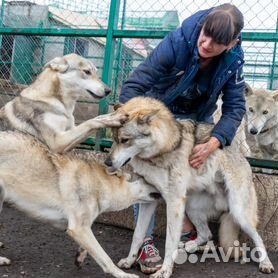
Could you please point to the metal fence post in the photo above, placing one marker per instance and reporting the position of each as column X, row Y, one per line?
column 273, row 68
column 2, row 13
column 108, row 60
column 119, row 52
column 2, row 18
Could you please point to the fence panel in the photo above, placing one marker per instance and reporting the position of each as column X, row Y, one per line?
column 117, row 36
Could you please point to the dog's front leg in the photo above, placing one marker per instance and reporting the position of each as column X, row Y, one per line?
column 86, row 239
column 63, row 141
column 145, row 214
column 175, row 215
column 114, row 119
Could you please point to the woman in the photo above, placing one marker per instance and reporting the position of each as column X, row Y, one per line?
column 187, row 71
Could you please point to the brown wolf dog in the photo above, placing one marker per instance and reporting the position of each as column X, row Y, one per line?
column 158, row 148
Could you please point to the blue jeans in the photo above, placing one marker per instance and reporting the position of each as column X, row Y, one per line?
column 152, row 223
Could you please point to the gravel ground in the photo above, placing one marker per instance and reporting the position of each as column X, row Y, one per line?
column 39, row 251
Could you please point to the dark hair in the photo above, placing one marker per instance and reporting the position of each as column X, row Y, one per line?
column 223, row 24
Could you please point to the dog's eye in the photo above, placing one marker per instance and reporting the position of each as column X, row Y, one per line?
column 124, row 140
column 265, row 112
column 146, row 134
column 88, row 72
column 251, row 109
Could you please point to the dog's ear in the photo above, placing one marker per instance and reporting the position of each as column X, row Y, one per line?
column 58, row 64
column 117, row 106
column 248, row 90
column 148, row 116
column 275, row 95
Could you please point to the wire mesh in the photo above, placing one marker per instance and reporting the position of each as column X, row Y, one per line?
column 22, row 57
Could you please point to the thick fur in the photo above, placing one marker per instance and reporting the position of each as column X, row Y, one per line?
column 45, row 108
column 262, row 120
column 66, row 190
column 240, row 137
column 158, row 148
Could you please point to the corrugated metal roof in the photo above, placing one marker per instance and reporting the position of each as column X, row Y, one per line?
column 77, row 20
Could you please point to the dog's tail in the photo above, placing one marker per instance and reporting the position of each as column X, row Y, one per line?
column 229, row 235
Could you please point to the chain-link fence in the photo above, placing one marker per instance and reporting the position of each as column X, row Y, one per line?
column 117, row 35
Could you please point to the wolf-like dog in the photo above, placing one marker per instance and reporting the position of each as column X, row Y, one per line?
column 67, row 190
column 45, row 108
column 158, row 148
column 262, row 120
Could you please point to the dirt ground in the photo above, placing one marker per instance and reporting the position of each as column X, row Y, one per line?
column 39, row 251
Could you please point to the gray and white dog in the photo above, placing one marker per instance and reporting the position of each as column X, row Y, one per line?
column 67, row 190
column 45, row 108
column 158, row 148
column 262, row 120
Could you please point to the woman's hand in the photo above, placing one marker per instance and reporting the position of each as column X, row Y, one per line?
column 201, row 152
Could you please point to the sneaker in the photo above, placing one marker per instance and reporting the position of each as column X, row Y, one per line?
column 187, row 236
column 148, row 257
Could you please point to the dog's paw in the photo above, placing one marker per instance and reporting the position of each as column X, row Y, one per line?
column 266, row 267
column 114, row 119
column 118, row 119
column 125, row 275
column 124, row 263
column 4, row 261
column 80, row 257
column 162, row 273
column 128, row 275
column 191, row 246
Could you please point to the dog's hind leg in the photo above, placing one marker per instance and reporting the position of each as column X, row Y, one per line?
column 197, row 208
column 146, row 210
column 84, row 236
column 228, row 235
column 246, row 217
column 3, row 260
column 265, row 265
column 203, row 232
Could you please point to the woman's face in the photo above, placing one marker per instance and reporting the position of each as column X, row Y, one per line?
column 208, row 48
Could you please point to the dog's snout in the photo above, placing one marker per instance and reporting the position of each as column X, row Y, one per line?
column 108, row 162
column 107, row 91
column 253, row 131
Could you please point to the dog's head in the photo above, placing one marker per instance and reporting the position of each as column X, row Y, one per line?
column 77, row 77
column 261, row 110
column 148, row 132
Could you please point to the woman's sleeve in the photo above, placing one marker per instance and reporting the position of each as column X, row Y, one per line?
column 233, row 109
column 148, row 73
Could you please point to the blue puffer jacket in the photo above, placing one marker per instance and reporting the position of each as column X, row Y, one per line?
column 171, row 67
